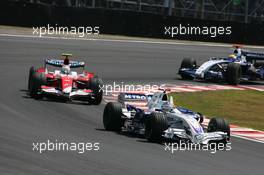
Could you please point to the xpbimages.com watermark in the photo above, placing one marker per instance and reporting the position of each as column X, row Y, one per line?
column 54, row 146
column 183, row 146
column 72, row 31
column 121, row 87
column 212, row 31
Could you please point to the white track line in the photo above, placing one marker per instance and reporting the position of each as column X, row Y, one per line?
column 227, row 87
column 182, row 89
column 201, row 88
column 187, row 43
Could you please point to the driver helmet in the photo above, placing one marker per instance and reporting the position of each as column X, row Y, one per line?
column 238, row 51
column 166, row 106
column 66, row 69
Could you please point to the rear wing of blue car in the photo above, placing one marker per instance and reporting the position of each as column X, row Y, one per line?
column 253, row 55
column 59, row 63
column 133, row 96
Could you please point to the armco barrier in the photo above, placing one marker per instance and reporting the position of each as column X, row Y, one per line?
column 122, row 22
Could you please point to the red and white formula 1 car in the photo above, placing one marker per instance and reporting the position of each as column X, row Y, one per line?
column 65, row 84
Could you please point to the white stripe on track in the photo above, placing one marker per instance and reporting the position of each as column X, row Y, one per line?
column 172, row 42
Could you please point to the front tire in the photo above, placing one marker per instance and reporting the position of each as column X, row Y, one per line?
column 188, row 63
column 112, row 116
column 219, row 124
column 32, row 70
column 96, row 85
column 36, row 80
column 155, row 124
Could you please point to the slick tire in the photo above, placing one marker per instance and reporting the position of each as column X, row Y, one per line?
column 155, row 124
column 219, row 124
column 35, row 82
column 32, row 70
column 112, row 116
column 189, row 63
column 233, row 73
column 95, row 85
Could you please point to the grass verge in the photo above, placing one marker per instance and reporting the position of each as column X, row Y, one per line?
column 243, row 108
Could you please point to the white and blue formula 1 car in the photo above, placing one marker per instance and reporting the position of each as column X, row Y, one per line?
column 240, row 66
column 162, row 120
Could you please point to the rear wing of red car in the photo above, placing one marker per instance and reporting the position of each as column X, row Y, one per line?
column 60, row 63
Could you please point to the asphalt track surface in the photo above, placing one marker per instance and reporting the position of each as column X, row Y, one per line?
column 24, row 120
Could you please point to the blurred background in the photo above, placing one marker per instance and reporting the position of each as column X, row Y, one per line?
column 144, row 18
column 228, row 10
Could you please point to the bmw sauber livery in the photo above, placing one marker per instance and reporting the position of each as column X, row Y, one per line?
column 161, row 120
column 64, row 83
column 240, row 66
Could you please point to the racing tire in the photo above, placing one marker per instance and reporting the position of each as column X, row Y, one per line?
column 32, row 70
column 189, row 63
column 219, row 124
column 112, row 116
column 95, row 85
column 155, row 125
column 36, row 80
column 233, row 73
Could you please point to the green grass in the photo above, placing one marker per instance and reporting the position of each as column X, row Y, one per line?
column 243, row 108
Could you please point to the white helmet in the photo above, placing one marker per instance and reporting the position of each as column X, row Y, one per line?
column 166, row 106
column 66, row 69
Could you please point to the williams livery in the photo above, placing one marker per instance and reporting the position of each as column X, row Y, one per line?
column 65, row 83
column 240, row 66
column 161, row 120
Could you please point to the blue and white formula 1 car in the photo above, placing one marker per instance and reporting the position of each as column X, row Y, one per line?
column 162, row 120
column 240, row 66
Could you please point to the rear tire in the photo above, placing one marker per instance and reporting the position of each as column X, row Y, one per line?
column 219, row 124
column 188, row 63
column 233, row 73
column 112, row 116
column 155, row 124
column 95, row 85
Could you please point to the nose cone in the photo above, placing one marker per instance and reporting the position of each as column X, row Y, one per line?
column 66, row 84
